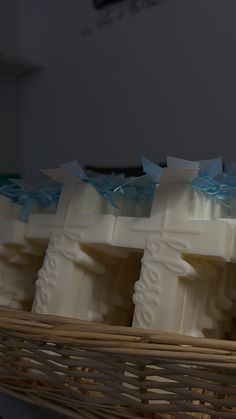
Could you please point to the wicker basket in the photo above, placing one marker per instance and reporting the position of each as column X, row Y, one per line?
column 87, row 370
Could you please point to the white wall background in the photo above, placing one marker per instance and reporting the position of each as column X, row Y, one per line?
column 10, row 155
column 160, row 82
column 9, row 26
column 10, row 159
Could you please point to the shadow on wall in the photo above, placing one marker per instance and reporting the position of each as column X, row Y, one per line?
column 99, row 4
column 111, row 11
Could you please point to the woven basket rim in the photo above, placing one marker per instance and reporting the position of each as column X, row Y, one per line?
column 76, row 364
column 43, row 325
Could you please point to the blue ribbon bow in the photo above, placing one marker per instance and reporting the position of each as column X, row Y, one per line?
column 144, row 186
column 108, row 185
column 213, row 182
column 26, row 195
column 103, row 184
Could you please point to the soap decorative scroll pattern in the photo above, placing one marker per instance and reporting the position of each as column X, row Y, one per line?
column 48, row 275
column 148, row 289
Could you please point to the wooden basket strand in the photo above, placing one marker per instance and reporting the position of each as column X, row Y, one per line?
column 88, row 370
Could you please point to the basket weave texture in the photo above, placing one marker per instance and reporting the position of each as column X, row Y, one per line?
column 87, row 370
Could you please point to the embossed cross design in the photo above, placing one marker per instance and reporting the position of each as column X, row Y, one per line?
column 177, row 226
column 178, row 230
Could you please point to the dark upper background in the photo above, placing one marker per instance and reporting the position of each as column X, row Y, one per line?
column 161, row 81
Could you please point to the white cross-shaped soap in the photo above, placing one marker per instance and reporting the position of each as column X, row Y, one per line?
column 20, row 259
column 172, row 230
column 78, row 221
column 72, row 280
